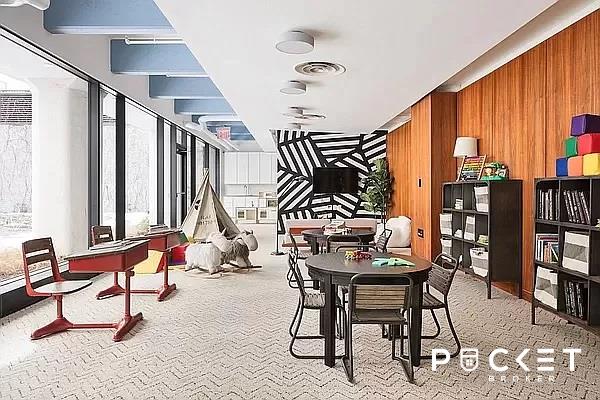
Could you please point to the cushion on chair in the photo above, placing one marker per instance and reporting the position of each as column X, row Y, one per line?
column 64, row 287
column 314, row 300
column 430, row 301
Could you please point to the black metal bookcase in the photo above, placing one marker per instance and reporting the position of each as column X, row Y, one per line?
column 590, row 186
column 502, row 223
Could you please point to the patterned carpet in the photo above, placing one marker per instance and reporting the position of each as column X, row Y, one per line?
column 226, row 337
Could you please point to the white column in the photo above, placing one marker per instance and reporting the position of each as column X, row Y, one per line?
column 60, row 162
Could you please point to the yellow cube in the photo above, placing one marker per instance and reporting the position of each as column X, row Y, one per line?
column 591, row 164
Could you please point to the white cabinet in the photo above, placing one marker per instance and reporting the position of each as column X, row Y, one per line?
column 242, row 168
column 265, row 168
column 254, row 172
column 274, row 168
column 230, row 168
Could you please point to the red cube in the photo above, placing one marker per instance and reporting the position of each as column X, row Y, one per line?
column 588, row 143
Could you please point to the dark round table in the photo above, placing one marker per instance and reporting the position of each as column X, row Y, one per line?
column 332, row 269
column 316, row 237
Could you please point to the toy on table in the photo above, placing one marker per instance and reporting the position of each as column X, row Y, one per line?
column 391, row 262
column 357, row 255
column 494, row 171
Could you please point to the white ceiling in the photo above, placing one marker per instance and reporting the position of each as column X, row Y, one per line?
column 395, row 52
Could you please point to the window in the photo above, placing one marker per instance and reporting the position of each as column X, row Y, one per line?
column 108, row 158
column 140, row 161
column 199, row 163
column 213, row 168
column 167, row 168
column 43, row 115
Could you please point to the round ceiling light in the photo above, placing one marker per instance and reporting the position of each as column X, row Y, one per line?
column 295, row 42
column 294, row 87
column 319, row 68
column 298, row 113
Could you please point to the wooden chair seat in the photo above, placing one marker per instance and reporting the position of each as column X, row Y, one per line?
column 378, row 316
column 430, row 302
column 63, row 287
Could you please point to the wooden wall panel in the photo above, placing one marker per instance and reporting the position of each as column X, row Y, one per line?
column 419, row 173
column 573, row 79
column 519, row 133
column 399, row 160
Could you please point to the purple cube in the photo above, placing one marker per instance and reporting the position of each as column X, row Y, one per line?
column 585, row 123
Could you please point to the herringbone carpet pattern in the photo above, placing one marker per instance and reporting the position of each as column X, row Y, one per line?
column 227, row 338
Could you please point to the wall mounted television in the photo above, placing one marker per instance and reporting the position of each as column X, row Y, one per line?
column 331, row 180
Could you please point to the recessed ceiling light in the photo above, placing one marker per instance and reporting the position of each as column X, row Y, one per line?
column 293, row 87
column 295, row 42
column 320, row 68
column 298, row 113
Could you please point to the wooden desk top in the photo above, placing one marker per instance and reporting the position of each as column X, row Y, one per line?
column 108, row 248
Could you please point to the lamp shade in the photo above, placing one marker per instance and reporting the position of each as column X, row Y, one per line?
column 465, row 147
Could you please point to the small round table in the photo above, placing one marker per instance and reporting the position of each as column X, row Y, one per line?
column 317, row 236
column 332, row 269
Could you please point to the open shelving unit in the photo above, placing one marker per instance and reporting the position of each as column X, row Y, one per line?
column 502, row 224
column 590, row 186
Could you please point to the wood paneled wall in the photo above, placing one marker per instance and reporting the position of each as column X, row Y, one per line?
column 399, row 161
column 420, row 158
column 522, row 111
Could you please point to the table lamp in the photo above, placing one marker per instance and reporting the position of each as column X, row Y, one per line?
column 465, row 147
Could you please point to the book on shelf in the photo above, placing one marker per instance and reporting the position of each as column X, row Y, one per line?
column 546, row 247
column 577, row 206
column 547, row 204
column 575, row 293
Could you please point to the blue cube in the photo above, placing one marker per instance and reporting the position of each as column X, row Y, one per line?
column 562, row 166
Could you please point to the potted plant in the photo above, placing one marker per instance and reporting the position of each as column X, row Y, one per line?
column 378, row 189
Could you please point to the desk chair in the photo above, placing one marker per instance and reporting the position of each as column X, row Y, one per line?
column 103, row 234
column 41, row 250
column 374, row 299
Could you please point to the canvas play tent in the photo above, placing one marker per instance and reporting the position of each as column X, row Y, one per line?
column 207, row 215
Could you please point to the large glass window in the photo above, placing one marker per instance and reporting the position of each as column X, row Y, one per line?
column 199, row 163
column 140, row 159
column 108, row 159
column 213, row 168
column 43, row 155
column 167, row 169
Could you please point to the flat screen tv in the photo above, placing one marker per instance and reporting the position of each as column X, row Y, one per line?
column 331, row 180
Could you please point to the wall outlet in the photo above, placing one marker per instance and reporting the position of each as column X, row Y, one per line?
column 420, row 233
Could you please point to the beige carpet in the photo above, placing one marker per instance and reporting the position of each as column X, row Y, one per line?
column 226, row 337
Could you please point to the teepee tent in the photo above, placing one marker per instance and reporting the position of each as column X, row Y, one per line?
column 207, row 215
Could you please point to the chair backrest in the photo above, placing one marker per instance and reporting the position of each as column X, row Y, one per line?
column 34, row 252
column 442, row 273
column 382, row 240
column 101, row 234
column 335, row 238
column 376, row 292
column 294, row 245
column 296, row 274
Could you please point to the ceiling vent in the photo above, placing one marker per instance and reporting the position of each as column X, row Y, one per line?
column 298, row 113
column 320, row 68
column 39, row 4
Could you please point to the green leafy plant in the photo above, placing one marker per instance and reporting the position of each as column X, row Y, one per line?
column 378, row 189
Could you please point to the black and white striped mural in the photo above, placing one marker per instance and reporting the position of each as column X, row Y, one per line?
column 300, row 151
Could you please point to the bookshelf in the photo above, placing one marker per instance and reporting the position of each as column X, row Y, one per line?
column 576, row 210
column 501, row 223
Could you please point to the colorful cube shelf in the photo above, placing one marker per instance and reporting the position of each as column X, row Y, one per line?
column 591, row 164
column 575, row 166
column 588, row 143
column 585, row 123
column 571, row 147
column 562, row 166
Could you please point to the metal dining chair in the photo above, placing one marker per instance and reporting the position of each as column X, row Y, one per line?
column 441, row 276
column 300, row 253
column 307, row 300
column 345, row 239
column 42, row 250
column 382, row 240
column 374, row 299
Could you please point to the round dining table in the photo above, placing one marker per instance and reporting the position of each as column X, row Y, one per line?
column 316, row 237
column 333, row 269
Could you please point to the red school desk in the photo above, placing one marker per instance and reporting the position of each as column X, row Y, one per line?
column 119, row 256
column 162, row 241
